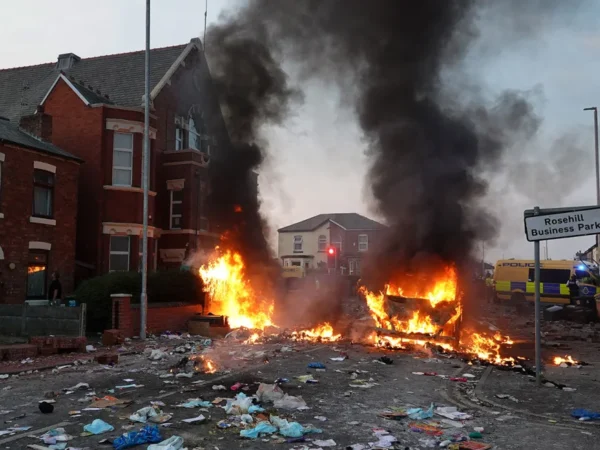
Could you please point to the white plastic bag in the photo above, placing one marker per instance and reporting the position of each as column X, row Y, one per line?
column 173, row 443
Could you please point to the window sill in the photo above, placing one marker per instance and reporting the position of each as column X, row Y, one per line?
column 42, row 221
column 297, row 251
column 110, row 187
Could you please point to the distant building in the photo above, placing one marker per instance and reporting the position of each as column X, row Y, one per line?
column 96, row 109
column 38, row 211
column 306, row 243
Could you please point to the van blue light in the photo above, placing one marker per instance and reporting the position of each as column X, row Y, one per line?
column 582, row 267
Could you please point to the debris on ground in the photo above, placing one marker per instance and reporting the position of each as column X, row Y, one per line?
column 585, row 414
column 46, row 407
column 452, row 413
column 195, row 403
column 147, row 435
column 173, row 443
column 506, row 396
column 98, row 426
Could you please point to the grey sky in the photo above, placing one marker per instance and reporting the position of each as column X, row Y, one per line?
column 317, row 162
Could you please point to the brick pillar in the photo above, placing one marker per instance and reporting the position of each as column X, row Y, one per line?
column 121, row 317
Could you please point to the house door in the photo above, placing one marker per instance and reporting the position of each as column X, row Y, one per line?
column 354, row 267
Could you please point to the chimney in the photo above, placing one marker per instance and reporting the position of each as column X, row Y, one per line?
column 66, row 61
column 38, row 124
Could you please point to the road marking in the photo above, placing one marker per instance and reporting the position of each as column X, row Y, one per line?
column 29, row 433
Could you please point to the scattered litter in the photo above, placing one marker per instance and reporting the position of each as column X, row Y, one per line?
column 195, row 403
column 13, row 430
column 478, row 429
column 290, row 402
column 418, row 373
column 261, row 429
column 505, row 417
column 55, row 435
column 327, row 443
column 459, row 379
column 46, row 407
column 108, row 401
column 156, row 355
column 339, row 358
column 422, row 427
column 219, row 387
column 419, row 414
column 585, row 414
column 475, row 435
column 385, row 439
column 468, row 375
column 569, row 389
column 128, row 386
column 77, row 387
column 255, row 408
column 167, row 375
column 147, row 435
column 316, row 365
column 238, row 405
column 173, row 443
column 150, row 413
column 4, row 376
column 307, row 379
column 452, row 413
column 98, row 426
column 452, row 423
column 269, row 392
column 472, row 445
column 356, row 447
column 395, row 415
column 237, row 386
column 184, row 375
column 90, row 348
column 196, row 419
column 506, row 396
column 321, row 418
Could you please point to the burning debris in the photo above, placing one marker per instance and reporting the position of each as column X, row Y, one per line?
column 322, row 333
column 567, row 361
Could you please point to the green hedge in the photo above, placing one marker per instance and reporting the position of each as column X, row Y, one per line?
column 163, row 287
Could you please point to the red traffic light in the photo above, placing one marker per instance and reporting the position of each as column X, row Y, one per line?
column 331, row 250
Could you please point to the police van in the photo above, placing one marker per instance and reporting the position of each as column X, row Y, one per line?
column 514, row 280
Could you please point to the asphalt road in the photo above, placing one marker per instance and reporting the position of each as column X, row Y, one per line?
column 351, row 413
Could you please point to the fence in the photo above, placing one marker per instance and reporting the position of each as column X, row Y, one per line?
column 25, row 320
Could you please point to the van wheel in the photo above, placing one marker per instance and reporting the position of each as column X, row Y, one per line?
column 517, row 298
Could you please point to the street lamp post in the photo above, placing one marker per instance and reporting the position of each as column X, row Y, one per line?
column 595, row 109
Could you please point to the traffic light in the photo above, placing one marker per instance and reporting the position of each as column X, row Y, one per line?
column 332, row 258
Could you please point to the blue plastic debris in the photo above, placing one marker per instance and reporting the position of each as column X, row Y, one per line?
column 255, row 408
column 261, row 428
column 98, row 426
column 316, row 365
column 147, row 435
column 585, row 414
column 419, row 414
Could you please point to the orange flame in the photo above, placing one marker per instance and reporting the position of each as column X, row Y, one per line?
column 231, row 294
column 567, row 359
column 322, row 333
column 445, row 288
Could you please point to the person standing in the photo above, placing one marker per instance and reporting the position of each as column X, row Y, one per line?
column 573, row 285
column 55, row 290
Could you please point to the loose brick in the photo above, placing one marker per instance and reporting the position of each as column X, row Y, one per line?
column 112, row 337
column 111, row 358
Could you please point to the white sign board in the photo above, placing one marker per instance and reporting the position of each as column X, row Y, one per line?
column 562, row 225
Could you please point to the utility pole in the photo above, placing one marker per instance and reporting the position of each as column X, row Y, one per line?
column 145, row 180
column 595, row 109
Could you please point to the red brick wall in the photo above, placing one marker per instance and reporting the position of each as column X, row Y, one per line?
column 16, row 231
column 79, row 130
column 161, row 317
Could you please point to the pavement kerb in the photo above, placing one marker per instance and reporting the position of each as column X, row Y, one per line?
column 478, row 393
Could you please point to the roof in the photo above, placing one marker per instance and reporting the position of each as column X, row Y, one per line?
column 348, row 221
column 13, row 134
column 120, row 76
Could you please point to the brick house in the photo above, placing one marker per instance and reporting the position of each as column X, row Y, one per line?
column 38, row 211
column 96, row 107
column 306, row 243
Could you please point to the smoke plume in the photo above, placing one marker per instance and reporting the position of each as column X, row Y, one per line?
column 429, row 144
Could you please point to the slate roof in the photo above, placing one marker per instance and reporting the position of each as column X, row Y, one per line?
column 121, row 76
column 350, row 221
column 13, row 134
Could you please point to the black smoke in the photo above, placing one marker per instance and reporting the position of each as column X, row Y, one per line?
column 428, row 142
column 253, row 91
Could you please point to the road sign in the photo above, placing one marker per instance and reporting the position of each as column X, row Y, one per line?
column 562, row 223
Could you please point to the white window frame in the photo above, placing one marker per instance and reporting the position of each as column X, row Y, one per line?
column 363, row 246
column 298, row 240
column 322, row 239
column 179, row 138
column 111, row 252
column 123, row 168
column 192, row 130
column 171, row 215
